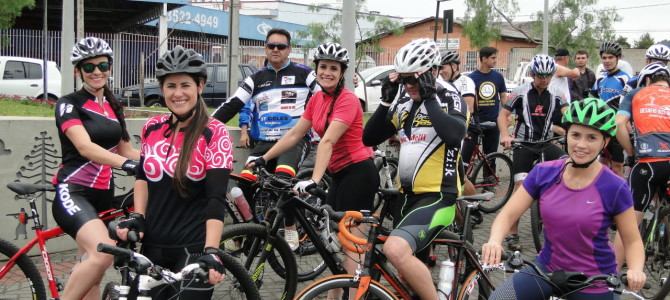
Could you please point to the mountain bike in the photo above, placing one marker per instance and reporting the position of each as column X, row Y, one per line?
column 655, row 232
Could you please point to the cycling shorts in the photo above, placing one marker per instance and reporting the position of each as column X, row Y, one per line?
column 524, row 158
column 615, row 151
column 75, row 205
column 424, row 216
column 354, row 187
column 646, row 179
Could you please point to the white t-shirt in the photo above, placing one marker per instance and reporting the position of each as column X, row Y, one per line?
column 465, row 85
column 560, row 87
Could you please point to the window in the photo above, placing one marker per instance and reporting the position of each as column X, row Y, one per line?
column 14, row 70
column 470, row 61
column 222, row 74
column 33, row 71
column 210, row 70
column 247, row 71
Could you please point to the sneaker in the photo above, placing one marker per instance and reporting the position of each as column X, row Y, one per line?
column 291, row 237
column 513, row 243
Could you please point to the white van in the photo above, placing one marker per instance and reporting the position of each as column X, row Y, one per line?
column 22, row 76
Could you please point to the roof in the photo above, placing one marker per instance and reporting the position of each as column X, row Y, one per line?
column 99, row 15
column 506, row 31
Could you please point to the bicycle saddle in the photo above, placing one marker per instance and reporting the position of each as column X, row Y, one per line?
column 21, row 188
column 477, row 197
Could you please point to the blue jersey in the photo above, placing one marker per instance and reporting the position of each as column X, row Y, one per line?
column 488, row 87
column 247, row 117
column 611, row 86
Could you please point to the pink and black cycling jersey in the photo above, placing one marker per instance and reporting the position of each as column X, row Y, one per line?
column 349, row 149
column 102, row 126
column 175, row 220
column 577, row 221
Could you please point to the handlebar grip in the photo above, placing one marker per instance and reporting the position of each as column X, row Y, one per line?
column 624, row 280
column 319, row 192
column 133, row 236
column 114, row 250
column 346, row 222
column 347, row 244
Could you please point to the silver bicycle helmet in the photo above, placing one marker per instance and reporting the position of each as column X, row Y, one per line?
column 659, row 52
column 417, row 56
column 450, row 57
column 180, row 60
column 650, row 70
column 610, row 47
column 543, row 65
column 332, row 51
column 88, row 48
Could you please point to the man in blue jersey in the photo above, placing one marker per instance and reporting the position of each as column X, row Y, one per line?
column 610, row 88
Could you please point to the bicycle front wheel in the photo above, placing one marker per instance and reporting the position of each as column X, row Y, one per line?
column 340, row 285
column 237, row 283
column 493, row 175
column 22, row 281
column 474, row 287
column 247, row 243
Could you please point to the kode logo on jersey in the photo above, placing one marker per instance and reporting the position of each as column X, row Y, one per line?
column 274, row 119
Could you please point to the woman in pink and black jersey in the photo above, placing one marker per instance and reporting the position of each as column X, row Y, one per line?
column 93, row 139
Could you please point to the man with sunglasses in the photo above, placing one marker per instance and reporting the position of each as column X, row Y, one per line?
column 537, row 108
column 279, row 92
column 430, row 124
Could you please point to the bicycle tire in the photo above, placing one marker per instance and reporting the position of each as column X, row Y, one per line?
column 242, row 283
column 536, row 226
column 345, row 282
column 237, row 239
column 109, row 292
column 474, row 288
column 504, row 185
column 22, row 281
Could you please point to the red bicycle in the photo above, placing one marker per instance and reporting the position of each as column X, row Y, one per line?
column 19, row 277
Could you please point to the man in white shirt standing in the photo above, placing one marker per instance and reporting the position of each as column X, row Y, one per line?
column 559, row 83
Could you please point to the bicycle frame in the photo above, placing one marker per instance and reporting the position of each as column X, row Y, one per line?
column 41, row 236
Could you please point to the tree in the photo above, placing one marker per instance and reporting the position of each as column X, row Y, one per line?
column 10, row 9
column 578, row 24
column 645, row 41
column 623, row 41
column 482, row 19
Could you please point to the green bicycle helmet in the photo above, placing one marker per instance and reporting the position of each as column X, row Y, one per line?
column 591, row 112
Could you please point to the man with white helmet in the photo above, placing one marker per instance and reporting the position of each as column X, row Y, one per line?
column 430, row 123
column 538, row 108
column 656, row 54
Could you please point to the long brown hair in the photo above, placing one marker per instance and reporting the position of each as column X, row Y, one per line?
column 192, row 134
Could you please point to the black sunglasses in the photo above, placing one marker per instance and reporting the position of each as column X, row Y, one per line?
column 273, row 46
column 90, row 68
column 411, row 79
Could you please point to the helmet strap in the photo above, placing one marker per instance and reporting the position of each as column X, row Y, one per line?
column 586, row 164
column 187, row 115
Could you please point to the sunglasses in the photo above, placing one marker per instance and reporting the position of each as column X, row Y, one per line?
column 411, row 79
column 90, row 68
column 278, row 46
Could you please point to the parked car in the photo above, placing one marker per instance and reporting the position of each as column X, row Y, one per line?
column 22, row 76
column 215, row 92
column 369, row 89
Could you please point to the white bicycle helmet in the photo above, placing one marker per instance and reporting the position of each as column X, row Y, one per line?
column 652, row 69
column 543, row 65
column 332, row 51
column 90, row 47
column 659, row 51
column 417, row 56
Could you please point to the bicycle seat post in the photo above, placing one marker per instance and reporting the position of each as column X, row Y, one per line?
column 34, row 215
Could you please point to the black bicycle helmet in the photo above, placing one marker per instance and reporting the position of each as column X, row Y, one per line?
column 180, row 60
column 90, row 47
column 332, row 51
column 450, row 57
column 610, row 47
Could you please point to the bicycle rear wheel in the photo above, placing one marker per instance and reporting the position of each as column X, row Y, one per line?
column 341, row 284
column 23, row 281
column 493, row 174
column 474, row 287
column 536, row 226
column 246, row 242
column 656, row 237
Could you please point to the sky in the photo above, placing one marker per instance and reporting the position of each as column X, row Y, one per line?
column 638, row 16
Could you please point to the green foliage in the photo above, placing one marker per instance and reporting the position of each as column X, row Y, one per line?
column 645, row 41
column 623, row 41
column 10, row 9
column 483, row 18
column 578, row 24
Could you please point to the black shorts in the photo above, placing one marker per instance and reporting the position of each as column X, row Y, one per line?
column 74, row 205
column 354, row 187
column 424, row 216
column 524, row 158
column 647, row 179
column 615, row 151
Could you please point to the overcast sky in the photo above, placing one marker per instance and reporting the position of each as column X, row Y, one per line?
column 639, row 16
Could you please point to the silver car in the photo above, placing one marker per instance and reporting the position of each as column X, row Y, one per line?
column 369, row 89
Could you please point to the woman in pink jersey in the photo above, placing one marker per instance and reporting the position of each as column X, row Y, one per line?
column 337, row 117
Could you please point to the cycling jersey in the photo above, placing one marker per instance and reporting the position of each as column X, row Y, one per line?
column 247, row 116
column 174, row 220
column 647, row 107
column 102, row 126
column 536, row 112
column 279, row 99
column 610, row 87
column 465, row 85
column 576, row 222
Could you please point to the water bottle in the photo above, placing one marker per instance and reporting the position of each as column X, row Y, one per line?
column 241, row 203
column 445, row 279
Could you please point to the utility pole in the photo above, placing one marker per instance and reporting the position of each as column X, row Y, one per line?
column 233, row 47
column 45, row 47
column 349, row 38
column 67, row 82
column 162, row 31
column 545, row 28
column 80, row 19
